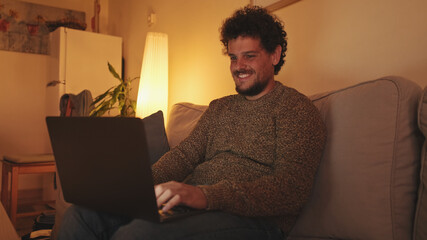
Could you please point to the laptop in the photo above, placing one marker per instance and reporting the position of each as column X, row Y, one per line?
column 104, row 164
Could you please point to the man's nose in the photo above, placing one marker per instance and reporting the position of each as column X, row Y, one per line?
column 240, row 63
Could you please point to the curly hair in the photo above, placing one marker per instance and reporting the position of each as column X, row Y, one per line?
column 256, row 22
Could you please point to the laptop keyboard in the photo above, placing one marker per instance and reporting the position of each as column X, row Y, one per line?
column 175, row 211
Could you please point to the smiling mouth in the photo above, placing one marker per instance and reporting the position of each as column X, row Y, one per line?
column 242, row 74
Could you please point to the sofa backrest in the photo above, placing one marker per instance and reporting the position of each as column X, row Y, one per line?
column 182, row 119
column 366, row 185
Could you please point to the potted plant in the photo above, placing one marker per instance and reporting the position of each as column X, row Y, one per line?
column 115, row 97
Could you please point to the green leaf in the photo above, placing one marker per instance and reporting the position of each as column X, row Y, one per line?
column 114, row 73
column 101, row 97
column 98, row 112
column 115, row 93
column 115, row 96
column 103, row 110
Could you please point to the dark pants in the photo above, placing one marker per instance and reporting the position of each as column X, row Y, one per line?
column 80, row 223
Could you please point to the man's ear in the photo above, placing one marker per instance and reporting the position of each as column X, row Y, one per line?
column 276, row 55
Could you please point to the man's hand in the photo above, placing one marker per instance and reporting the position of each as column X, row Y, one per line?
column 175, row 193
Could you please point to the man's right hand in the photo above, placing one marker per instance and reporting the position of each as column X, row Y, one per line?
column 174, row 193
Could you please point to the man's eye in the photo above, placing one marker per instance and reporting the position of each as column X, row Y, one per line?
column 250, row 56
column 232, row 58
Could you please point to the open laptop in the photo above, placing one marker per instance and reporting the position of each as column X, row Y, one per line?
column 104, row 163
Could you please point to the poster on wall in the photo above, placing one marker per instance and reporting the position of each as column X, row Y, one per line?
column 25, row 27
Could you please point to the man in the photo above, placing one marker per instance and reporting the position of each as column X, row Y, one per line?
column 250, row 160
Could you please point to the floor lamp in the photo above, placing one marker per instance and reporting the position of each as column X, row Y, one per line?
column 153, row 84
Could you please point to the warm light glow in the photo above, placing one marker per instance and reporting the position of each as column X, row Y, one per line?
column 153, row 84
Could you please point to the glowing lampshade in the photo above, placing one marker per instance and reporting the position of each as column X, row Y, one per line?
column 153, row 84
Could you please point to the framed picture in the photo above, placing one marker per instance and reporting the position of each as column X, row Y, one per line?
column 25, row 27
column 273, row 5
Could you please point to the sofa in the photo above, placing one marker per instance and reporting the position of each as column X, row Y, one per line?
column 371, row 183
column 368, row 183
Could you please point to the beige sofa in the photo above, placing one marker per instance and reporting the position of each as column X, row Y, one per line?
column 367, row 186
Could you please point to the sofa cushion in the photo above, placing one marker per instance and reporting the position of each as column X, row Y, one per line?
column 420, row 227
column 182, row 119
column 366, row 184
column 157, row 143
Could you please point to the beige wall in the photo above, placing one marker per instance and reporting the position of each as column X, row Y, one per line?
column 335, row 43
column 198, row 71
column 332, row 43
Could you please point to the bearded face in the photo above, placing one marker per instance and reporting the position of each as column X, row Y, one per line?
column 251, row 66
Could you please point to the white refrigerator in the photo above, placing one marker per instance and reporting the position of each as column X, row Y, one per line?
column 78, row 61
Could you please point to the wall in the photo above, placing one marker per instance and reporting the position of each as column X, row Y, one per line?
column 198, row 71
column 22, row 91
column 332, row 43
column 335, row 43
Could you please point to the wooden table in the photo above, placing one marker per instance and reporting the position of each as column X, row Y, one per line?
column 10, row 200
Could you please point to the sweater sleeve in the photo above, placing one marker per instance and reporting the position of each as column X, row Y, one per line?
column 180, row 161
column 300, row 138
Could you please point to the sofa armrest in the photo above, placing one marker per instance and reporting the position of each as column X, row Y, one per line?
column 366, row 185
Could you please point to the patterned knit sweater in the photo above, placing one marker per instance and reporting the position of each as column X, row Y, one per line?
column 252, row 158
